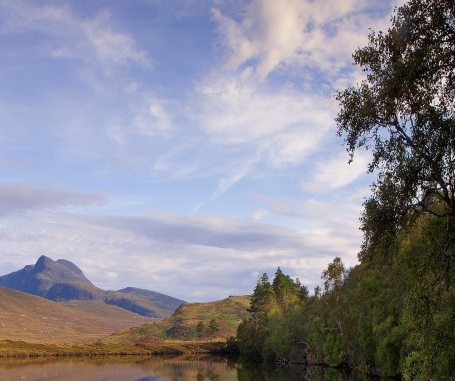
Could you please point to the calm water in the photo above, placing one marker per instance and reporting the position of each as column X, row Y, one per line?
column 156, row 369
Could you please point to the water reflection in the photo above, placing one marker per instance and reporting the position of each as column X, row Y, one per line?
column 158, row 369
column 295, row 373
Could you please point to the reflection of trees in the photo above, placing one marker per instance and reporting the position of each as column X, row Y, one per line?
column 185, row 369
column 209, row 375
column 179, row 369
column 251, row 372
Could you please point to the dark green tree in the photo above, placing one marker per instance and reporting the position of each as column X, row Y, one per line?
column 427, row 253
column 284, row 325
column 252, row 332
column 262, row 298
column 288, row 292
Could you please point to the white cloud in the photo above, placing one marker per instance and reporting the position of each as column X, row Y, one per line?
column 273, row 35
column 284, row 124
column 278, row 55
column 335, row 172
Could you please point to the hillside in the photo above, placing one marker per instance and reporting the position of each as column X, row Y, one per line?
column 63, row 281
column 35, row 319
column 143, row 302
column 228, row 313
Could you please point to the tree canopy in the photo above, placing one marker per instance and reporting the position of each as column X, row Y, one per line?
column 404, row 113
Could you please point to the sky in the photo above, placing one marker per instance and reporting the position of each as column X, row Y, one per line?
column 181, row 146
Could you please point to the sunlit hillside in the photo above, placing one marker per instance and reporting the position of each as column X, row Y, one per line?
column 182, row 325
column 34, row 319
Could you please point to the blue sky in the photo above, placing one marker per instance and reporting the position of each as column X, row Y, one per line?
column 182, row 146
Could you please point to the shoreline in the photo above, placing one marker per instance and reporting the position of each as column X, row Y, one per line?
column 23, row 349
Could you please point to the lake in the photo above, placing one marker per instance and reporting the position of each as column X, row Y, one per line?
column 157, row 369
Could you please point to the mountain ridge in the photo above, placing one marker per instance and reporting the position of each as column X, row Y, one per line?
column 63, row 281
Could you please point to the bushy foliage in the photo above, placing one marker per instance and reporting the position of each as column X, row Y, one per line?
column 267, row 332
column 393, row 318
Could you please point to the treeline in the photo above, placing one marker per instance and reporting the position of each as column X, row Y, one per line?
column 393, row 316
column 395, row 312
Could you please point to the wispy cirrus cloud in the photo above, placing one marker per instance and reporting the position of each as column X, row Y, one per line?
column 277, row 128
column 90, row 40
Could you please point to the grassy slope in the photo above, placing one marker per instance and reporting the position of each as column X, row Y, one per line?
column 182, row 324
column 34, row 319
column 30, row 325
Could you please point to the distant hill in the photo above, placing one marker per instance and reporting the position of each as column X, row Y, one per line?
column 34, row 319
column 181, row 325
column 63, row 281
column 144, row 302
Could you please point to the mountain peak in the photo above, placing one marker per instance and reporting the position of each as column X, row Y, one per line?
column 40, row 278
column 42, row 263
column 60, row 270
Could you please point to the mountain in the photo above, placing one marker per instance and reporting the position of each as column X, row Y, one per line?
column 35, row 319
column 55, row 280
column 63, row 281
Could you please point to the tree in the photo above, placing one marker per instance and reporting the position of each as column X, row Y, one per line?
column 284, row 326
column 252, row 332
column 261, row 301
column 288, row 293
column 274, row 329
column 200, row 329
column 404, row 112
column 213, row 327
column 427, row 254
column 334, row 276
